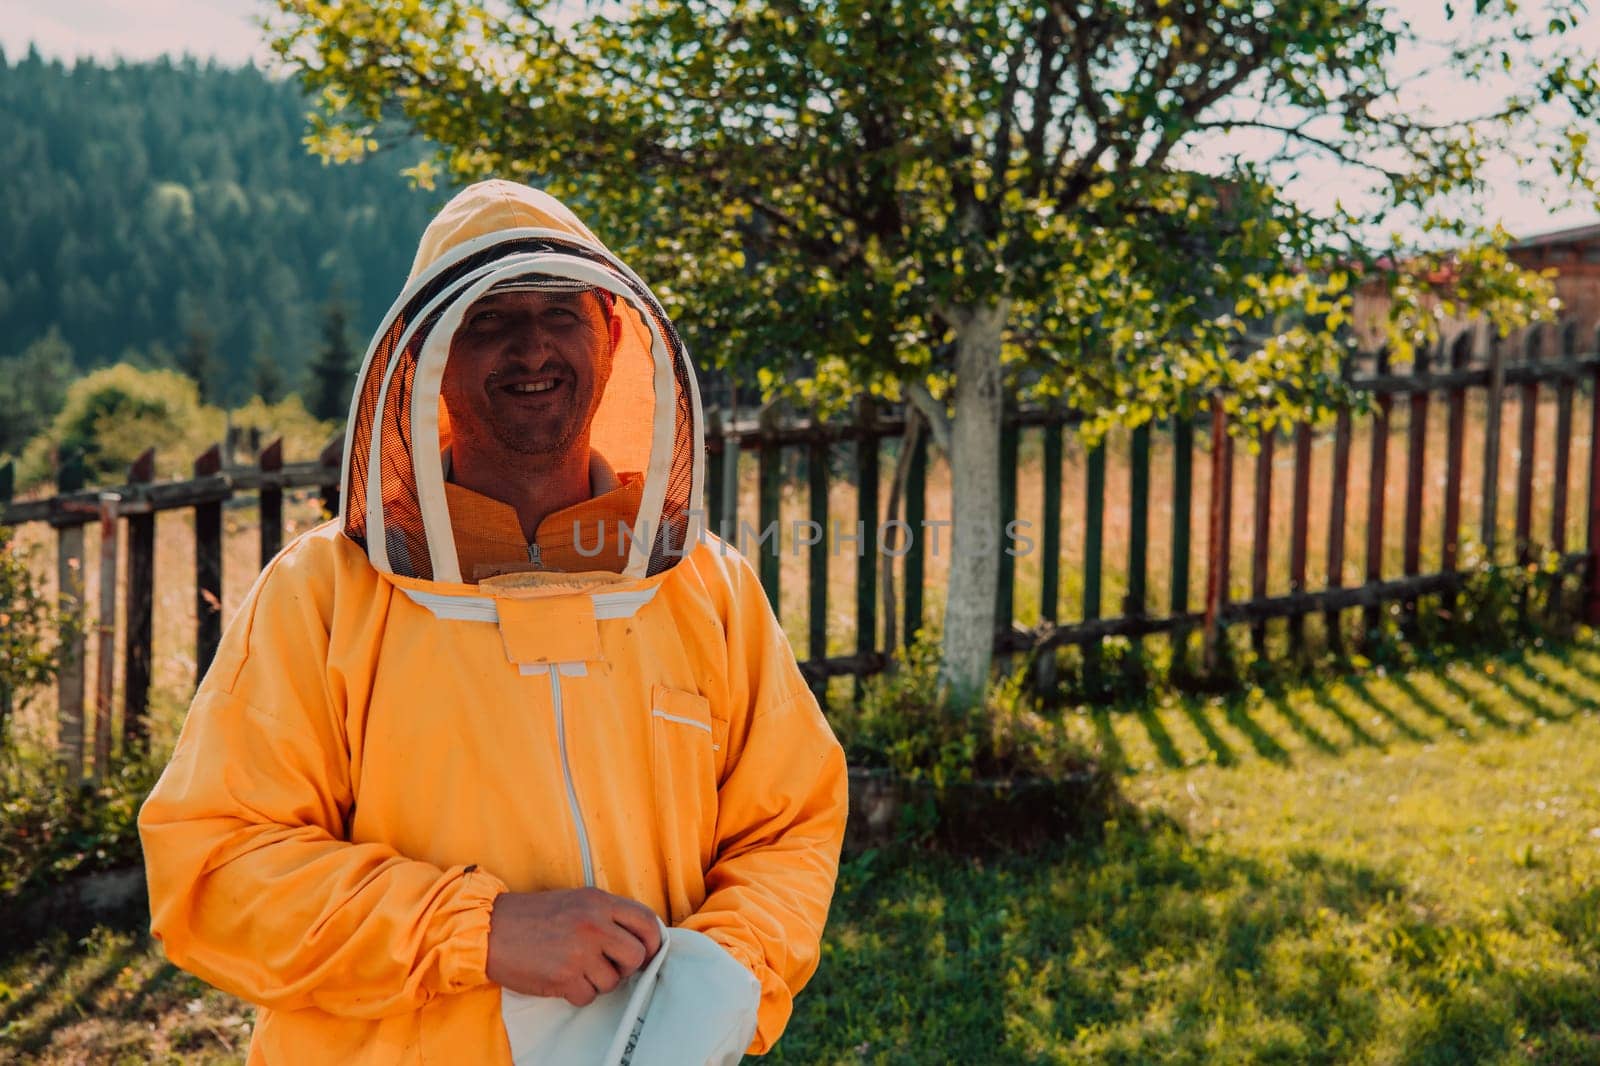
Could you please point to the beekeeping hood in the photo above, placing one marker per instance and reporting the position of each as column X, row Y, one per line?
column 648, row 419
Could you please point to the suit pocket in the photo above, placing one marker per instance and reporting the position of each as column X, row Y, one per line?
column 689, row 747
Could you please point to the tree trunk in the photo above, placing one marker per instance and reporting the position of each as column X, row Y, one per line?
column 969, row 622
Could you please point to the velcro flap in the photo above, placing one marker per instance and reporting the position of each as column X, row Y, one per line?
column 549, row 629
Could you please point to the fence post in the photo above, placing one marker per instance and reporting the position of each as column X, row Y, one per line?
column 916, row 556
column 1261, row 550
column 1377, row 484
column 769, row 462
column 1094, row 491
column 1138, row 520
column 207, row 568
column 867, row 514
column 1563, row 470
column 1182, row 504
column 270, row 462
column 106, row 633
column 712, row 501
column 1050, row 565
column 1299, row 531
column 1450, row 548
column 817, row 473
column 1591, row 611
column 140, row 607
column 332, row 459
column 69, row 588
column 1338, row 493
column 8, row 482
column 1006, row 584
column 1219, row 527
column 1416, row 489
column 1527, row 438
column 1489, row 532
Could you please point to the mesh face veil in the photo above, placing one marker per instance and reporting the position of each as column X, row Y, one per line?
column 648, row 419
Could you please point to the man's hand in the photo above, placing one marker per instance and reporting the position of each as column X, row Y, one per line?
column 574, row 944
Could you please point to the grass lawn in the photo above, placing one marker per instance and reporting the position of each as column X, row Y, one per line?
column 1390, row 869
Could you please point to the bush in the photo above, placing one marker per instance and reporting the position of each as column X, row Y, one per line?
column 905, row 723
column 115, row 413
column 304, row 436
column 27, row 619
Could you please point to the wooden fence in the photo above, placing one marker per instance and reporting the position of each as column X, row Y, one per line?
column 1449, row 377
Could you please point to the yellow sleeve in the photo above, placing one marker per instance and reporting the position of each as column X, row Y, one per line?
column 780, row 814
column 252, row 886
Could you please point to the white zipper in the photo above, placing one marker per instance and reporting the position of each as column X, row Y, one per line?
column 566, row 771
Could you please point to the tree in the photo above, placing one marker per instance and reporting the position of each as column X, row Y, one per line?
column 266, row 372
column 32, row 388
column 954, row 203
column 333, row 370
column 195, row 359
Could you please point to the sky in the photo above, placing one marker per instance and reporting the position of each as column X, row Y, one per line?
column 224, row 30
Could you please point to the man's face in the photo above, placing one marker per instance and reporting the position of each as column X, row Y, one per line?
column 527, row 370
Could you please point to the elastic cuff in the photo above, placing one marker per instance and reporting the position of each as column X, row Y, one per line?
column 466, row 956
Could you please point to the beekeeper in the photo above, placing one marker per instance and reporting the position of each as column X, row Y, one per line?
column 480, row 745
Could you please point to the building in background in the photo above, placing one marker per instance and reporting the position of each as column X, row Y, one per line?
column 1573, row 253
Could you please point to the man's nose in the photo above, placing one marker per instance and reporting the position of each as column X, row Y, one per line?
column 529, row 344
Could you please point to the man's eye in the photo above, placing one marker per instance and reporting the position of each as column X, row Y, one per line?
column 483, row 318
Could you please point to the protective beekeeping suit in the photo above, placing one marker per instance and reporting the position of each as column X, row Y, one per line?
column 514, row 666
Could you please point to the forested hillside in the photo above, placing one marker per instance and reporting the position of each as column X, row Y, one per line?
column 169, row 209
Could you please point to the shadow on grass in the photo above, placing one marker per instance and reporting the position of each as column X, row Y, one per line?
column 1357, row 687
column 1160, row 739
column 1358, row 733
column 1431, row 706
column 1151, row 946
column 1309, row 733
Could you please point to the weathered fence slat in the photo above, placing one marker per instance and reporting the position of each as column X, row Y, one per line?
column 727, row 519
column 1006, row 584
column 1299, row 529
column 817, row 565
column 271, row 461
column 1260, row 557
column 1489, row 530
column 916, row 558
column 714, row 460
column 140, row 610
column 1182, row 502
column 1592, row 532
column 332, row 460
column 1455, row 445
column 1220, row 526
column 70, row 591
column 1094, row 510
column 867, row 518
column 8, row 484
column 207, row 568
column 105, row 634
column 1527, row 438
column 1338, row 495
column 1416, row 466
column 1563, row 457
column 1138, row 520
column 1050, row 565
column 769, row 466
column 1377, row 485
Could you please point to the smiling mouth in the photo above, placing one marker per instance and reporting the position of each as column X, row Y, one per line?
column 532, row 388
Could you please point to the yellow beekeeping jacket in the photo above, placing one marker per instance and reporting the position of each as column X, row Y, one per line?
column 380, row 747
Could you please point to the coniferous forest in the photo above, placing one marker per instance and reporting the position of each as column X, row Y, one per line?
column 166, row 213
